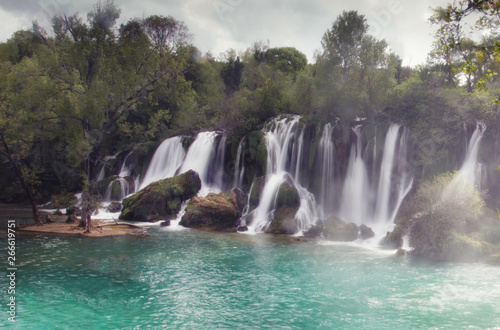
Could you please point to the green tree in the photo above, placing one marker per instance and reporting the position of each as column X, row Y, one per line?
column 452, row 39
column 27, row 102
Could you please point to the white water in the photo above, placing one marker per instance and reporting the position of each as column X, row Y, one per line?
column 386, row 172
column 377, row 205
column 126, row 188
column 471, row 169
column 198, row 159
column 283, row 155
column 239, row 169
column 326, row 150
column 165, row 162
column 356, row 192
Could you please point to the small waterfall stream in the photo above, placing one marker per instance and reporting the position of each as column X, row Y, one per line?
column 471, row 169
column 165, row 162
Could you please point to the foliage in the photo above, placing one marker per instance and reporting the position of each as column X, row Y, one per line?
column 449, row 208
column 477, row 60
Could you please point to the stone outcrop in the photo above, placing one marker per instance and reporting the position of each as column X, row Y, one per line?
column 213, row 212
column 161, row 199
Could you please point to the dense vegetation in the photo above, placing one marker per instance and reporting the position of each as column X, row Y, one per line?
column 89, row 88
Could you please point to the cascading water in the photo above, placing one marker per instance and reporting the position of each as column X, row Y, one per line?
column 283, row 152
column 239, row 169
column 199, row 157
column 471, row 169
column 356, row 192
column 327, row 152
column 166, row 160
column 127, row 184
column 386, row 172
column 377, row 205
column 217, row 165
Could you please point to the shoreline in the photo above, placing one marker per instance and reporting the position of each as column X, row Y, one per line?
column 99, row 229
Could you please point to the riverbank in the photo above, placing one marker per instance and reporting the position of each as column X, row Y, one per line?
column 100, row 229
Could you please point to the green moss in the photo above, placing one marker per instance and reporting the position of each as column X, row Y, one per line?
column 255, row 155
column 256, row 191
column 161, row 199
column 287, row 196
column 283, row 222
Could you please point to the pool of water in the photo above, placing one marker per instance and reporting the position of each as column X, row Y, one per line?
column 187, row 279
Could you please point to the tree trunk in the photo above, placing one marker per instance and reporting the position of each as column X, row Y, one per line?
column 27, row 187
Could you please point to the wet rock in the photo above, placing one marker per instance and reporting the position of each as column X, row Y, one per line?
column 338, row 230
column 161, row 199
column 114, row 207
column 314, row 232
column 366, row 232
column 242, row 229
column 165, row 223
column 213, row 212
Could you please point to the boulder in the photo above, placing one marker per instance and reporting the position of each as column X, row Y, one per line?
column 161, row 200
column 114, row 207
column 242, row 229
column 365, row 232
column 287, row 204
column 338, row 230
column 283, row 221
column 314, row 232
column 213, row 212
column 165, row 223
column 241, row 198
column 287, row 195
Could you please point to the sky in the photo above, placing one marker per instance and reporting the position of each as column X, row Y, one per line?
column 220, row 25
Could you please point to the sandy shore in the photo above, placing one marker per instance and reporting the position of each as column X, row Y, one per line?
column 100, row 229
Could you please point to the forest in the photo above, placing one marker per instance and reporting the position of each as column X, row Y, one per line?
column 85, row 88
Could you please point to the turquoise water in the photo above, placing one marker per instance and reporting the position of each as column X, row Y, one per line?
column 197, row 280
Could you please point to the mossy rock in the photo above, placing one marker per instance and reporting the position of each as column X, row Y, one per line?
column 255, row 155
column 340, row 231
column 213, row 212
column 283, row 221
column 256, row 191
column 287, row 196
column 161, row 199
column 394, row 239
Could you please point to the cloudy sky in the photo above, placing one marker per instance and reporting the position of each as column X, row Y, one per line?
column 218, row 25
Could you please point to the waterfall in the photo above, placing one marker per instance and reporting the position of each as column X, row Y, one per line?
column 386, row 172
column 327, row 152
column 102, row 172
column 199, row 157
column 283, row 151
column 356, row 191
column 166, row 160
column 239, row 168
column 127, row 184
column 471, row 170
column 217, row 166
column 377, row 205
